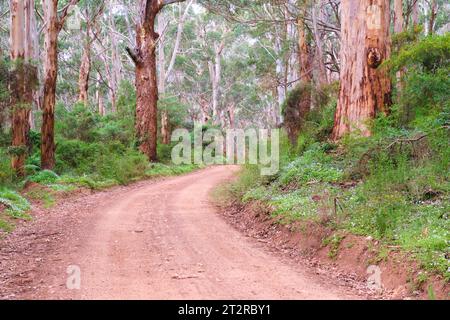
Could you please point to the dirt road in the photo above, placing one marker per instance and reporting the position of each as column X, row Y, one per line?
column 156, row 240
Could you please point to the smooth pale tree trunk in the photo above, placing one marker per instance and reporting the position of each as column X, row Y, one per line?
column 415, row 13
column 398, row 13
column 115, row 75
column 292, row 75
column 365, row 89
column 232, row 115
column 280, row 75
column 85, row 69
column 178, row 40
column 165, row 130
column 215, row 71
column 144, row 57
column 322, row 71
column 32, row 51
column 99, row 97
column 164, row 76
column 101, row 50
column 398, row 28
column 305, row 66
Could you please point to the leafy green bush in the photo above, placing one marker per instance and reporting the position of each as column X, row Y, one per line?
column 298, row 117
column 425, row 85
column 77, row 124
column 45, row 177
column 124, row 169
column 17, row 206
column 176, row 110
column 400, row 194
column 78, row 156
column 92, row 182
column 313, row 165
column 429, row 54
column 7, row 175
column 111, row 161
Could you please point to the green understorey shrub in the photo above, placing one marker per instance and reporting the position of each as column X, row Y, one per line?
column 393, row 186
column 92, row 151
column 16, row 205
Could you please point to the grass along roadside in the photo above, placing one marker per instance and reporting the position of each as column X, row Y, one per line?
column 391, row 187
column 379, row 207
column 415, row 253
column 45, row 187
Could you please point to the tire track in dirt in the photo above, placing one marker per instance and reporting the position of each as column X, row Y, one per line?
column 164, row 240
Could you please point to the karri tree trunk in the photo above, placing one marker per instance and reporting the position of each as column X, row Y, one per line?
column 433, row 15
column 165, row 123
column 398, row 16
column 398, row 28
column 32, row 56
column 144, row 57
column 232, row 115
column 53, row 26
column 164, row 76
column 280, row 75
column 215, row 72
column 85, row 69
column 365, row 88
column 305, row 65
column 99, row 96
column 115, row 75
column 50, row 76
column 24, row 72
column 320, row 59
column 415, row 13
column 303, row 53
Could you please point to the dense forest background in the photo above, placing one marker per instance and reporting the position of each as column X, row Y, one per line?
column 365, row 119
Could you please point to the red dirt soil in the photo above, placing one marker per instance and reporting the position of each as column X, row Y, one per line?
column 303, row 243
column 153, row 240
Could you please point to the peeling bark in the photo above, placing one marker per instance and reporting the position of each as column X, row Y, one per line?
column 144, row 57
column 20, row 112
column 24, row 77
column 365, row 89
column 53, row 26
column 50, row 76
column 85, row 70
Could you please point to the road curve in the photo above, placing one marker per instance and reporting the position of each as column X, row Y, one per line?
column 164, row 240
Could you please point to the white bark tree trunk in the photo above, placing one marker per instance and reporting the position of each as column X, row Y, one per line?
column 322, row 71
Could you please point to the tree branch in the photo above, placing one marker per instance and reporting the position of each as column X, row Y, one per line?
column 133, row 55
column 65, row 11
column 178, row 40
column 167, row 2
